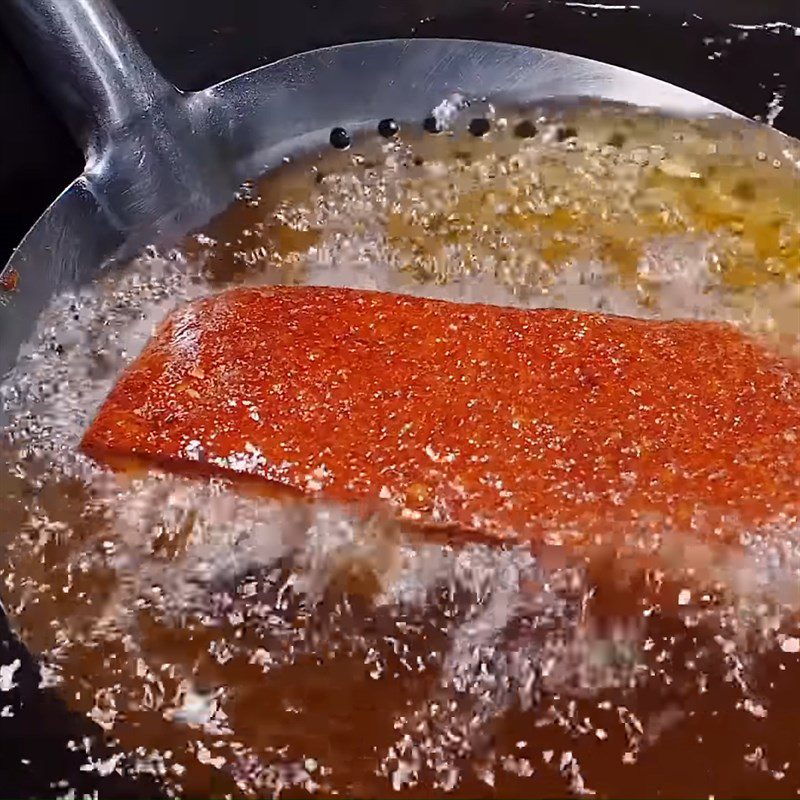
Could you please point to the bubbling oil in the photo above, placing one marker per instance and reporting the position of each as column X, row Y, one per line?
column 251, row 645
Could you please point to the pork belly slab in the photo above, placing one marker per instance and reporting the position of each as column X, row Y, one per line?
column 499, row 420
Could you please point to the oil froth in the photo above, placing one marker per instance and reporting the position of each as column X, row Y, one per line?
column 246, row 644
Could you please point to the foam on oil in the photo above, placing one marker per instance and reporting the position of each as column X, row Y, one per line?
column 258, row 645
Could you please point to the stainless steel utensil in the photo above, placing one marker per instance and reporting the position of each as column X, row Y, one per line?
column 159, row 161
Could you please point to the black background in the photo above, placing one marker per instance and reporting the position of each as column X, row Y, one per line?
column 692, row 43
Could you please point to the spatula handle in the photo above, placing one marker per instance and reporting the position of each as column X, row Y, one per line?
column 88, row 61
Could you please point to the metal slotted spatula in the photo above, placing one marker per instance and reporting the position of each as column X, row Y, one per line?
column 159, row 161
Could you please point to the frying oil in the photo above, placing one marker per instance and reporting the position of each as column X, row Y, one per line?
column 253, row 646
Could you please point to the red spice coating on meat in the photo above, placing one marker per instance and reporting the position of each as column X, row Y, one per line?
column 476, row 416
